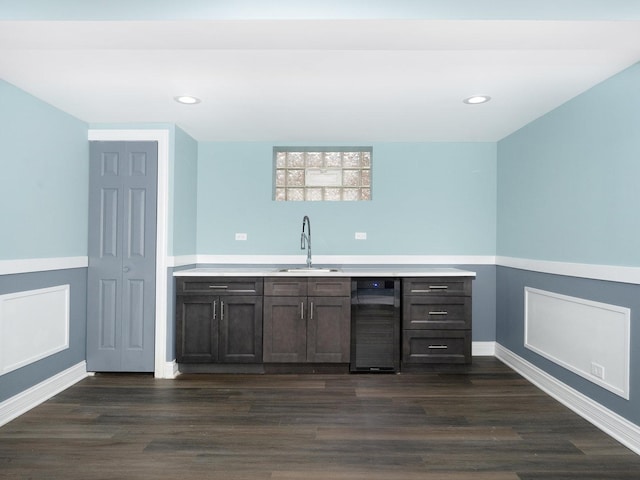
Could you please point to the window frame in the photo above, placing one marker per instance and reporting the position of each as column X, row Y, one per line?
column 324, row 149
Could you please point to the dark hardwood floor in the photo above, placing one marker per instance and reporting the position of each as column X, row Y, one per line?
column 488, row 424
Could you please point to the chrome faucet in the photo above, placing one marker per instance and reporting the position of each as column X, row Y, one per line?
column 305, row 239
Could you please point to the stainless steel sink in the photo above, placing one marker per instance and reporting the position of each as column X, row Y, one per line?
column 308, row 270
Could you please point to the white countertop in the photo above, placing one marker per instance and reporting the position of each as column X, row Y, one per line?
column 343, row 271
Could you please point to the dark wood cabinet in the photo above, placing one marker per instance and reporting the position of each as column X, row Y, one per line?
column 219, row 320
column 436, row 320
column 307, row 320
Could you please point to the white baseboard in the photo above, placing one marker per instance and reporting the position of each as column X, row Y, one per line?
column 483, row 349
column 34, row 396
column 169, row 370
column 624, row 431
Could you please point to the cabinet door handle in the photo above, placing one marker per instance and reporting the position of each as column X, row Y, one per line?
column 301, row 310
column 439, row 312
column 221, row 309
column 437, row 347
column 219, row 287
column 311, row 312
column 215, row 307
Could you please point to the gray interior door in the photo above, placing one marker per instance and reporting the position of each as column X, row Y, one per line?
column 122, row 252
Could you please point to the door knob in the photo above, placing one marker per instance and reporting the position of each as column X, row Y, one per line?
column 125, row 269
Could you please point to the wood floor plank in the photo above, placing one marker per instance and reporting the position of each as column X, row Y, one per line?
column 487, row 423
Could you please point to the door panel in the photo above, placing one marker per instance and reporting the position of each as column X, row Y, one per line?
column 122, row 232
column 135, row 334
column 107, row 319
column 109, row 223
column 137, row 227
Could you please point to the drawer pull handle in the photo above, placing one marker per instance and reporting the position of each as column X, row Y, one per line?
column 443, row 312
column 219, row 286
column 242, row 291
column 438, row 347
column 430, row 289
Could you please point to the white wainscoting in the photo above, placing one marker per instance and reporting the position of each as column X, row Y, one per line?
column 588, row 338
column 33, row 325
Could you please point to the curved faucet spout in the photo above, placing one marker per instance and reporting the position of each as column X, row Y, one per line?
column 305, row 239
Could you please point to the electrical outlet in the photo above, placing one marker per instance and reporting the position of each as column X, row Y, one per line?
column 597, row 370
column 361, row 235
column 241, row 236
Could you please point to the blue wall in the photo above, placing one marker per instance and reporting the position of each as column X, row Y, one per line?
column 44, row 179
column 183, row 207
column 568, row 182
column 428, row 199
column 568, row 192
column 43, row 207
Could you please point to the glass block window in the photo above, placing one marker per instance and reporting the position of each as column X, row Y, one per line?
column 322, row 174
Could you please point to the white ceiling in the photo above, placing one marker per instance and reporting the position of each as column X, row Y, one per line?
column 316, row 80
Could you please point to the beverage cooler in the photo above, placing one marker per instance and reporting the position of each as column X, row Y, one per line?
column 375, row 325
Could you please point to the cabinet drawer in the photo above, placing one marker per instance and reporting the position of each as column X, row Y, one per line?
column 329, row 287
column 437, row 286
column 285, row 286
column 219, row 285
column 436, row 346
column 313, row 287
column 436, row 312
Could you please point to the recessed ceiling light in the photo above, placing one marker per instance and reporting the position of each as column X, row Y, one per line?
column 187, row 99
column 476, row 99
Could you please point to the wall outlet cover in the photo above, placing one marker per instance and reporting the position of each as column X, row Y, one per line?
column 597, row 370
column 361, row 235
column 241, row 236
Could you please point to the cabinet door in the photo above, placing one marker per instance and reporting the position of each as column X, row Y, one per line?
column 240, row 329
column 285, row 330
column 196, row 329
column 329, row 329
